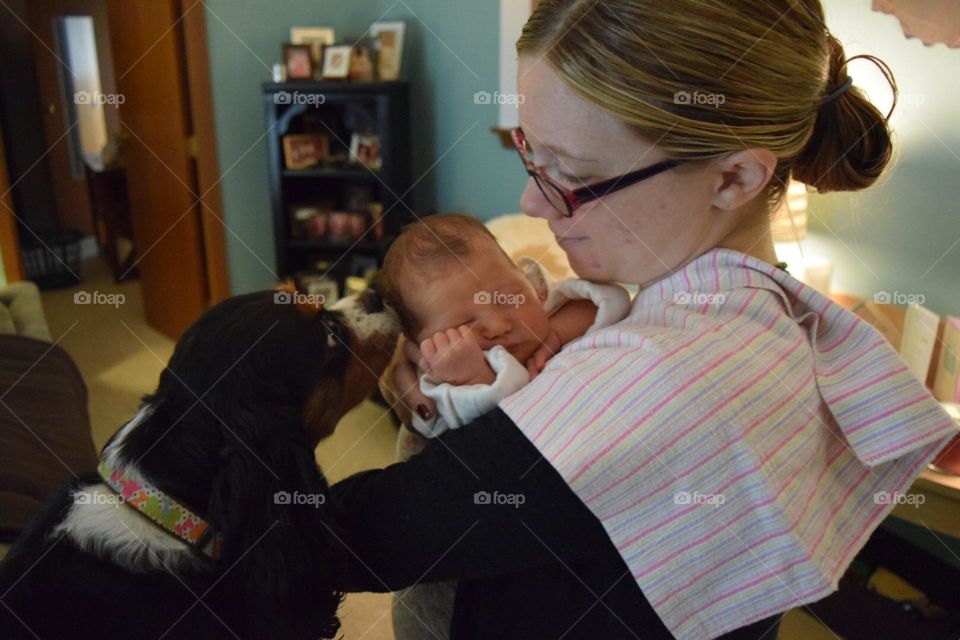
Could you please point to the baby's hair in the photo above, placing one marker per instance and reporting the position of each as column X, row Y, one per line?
column 426, row 248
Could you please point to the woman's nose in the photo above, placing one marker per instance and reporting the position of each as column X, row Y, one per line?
column 534, row 204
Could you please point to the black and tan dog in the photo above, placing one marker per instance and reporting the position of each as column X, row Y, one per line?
column 206, row 517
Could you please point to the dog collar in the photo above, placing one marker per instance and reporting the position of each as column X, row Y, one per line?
column 165, row 511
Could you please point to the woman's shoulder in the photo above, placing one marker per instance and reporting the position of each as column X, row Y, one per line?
column 686, row 323
column 681, row 353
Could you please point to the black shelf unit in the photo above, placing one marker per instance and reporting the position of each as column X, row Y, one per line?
column 288, row 107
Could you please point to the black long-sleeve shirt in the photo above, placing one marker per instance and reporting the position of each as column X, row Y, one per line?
column 482, row 506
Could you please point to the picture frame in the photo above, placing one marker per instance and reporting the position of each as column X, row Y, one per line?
column 317, row 284
column 316, row 37
column 390, row 36
column 365, row 150
column 363, row 58
column 298, row 61
column 336, row 62
column 304, row 150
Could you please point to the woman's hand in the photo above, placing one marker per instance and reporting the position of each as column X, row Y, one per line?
column 400, row 385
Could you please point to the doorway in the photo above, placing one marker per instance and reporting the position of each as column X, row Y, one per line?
column 110, row 90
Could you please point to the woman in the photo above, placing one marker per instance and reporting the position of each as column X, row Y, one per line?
column 721, row 455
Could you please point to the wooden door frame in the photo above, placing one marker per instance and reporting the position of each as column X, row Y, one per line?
column 208, row 173
column 197, row 58
column 70, row 191
column 9, row 243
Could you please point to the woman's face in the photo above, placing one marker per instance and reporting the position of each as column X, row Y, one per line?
column 634, row 235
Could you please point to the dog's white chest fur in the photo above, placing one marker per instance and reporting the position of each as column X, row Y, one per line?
column 99, row 523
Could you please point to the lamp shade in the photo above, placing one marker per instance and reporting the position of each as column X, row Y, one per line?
column 789, row 223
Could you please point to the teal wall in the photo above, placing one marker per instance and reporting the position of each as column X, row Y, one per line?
column 451, row 53
column 902, row 235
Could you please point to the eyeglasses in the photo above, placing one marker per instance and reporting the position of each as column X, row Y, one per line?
column 565, row 200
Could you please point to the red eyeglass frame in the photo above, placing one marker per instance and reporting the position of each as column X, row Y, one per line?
column 575, row 198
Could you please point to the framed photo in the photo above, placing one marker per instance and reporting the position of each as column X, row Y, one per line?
column 365, row 150
column 336, row 62
column 362, row 57
column 298, row 60
column 390, row 54
column 316, row 37
column 317, row 284
column 302, row 150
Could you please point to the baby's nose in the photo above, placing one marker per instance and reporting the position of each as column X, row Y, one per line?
column 494, row 327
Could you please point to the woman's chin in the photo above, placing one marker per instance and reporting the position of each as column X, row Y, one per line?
column 587, row 266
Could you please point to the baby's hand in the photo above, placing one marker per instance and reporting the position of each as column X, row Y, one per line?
column 453, row 356
column 551, row 346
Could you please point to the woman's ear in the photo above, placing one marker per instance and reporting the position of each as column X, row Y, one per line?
column 741, row 176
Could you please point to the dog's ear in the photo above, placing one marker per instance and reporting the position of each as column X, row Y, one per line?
column 269, row 501
column 287, row 285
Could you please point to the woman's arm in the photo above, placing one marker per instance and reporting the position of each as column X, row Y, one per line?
column 478, row 501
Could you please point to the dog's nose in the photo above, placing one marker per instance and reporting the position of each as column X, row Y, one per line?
column 372, row 301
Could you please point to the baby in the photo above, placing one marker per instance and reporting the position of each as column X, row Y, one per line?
column 485, row 326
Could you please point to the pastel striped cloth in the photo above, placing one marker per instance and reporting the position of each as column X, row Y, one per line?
column 739, row 436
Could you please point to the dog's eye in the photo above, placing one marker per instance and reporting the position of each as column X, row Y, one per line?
column 333, row 338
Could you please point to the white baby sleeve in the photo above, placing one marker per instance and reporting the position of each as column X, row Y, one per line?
column 460, row 405
column 612, row 300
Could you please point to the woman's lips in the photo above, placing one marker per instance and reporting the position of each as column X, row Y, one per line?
column 568, row 241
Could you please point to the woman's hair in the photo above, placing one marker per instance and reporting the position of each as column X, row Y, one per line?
column 424, row 249
column 702, row 78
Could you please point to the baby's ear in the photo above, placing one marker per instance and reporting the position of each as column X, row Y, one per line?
column 537, row 275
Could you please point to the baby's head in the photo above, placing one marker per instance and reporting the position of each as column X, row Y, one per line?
column 447, row 270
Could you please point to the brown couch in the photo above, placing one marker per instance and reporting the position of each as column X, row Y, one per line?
column 44, row 425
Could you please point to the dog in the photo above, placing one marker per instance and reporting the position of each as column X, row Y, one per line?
column 206, row 516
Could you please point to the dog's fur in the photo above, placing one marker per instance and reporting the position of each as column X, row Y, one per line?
column 250, row 390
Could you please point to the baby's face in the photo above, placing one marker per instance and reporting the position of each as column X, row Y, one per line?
column 486, row 292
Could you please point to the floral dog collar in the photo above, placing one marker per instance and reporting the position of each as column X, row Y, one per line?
column 165, row 511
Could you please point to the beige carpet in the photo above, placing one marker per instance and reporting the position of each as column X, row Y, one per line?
column 121, row 358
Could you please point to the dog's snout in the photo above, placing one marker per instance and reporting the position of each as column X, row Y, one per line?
column 366, row 314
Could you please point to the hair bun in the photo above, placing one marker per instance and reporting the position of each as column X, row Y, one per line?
column 851, row 142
